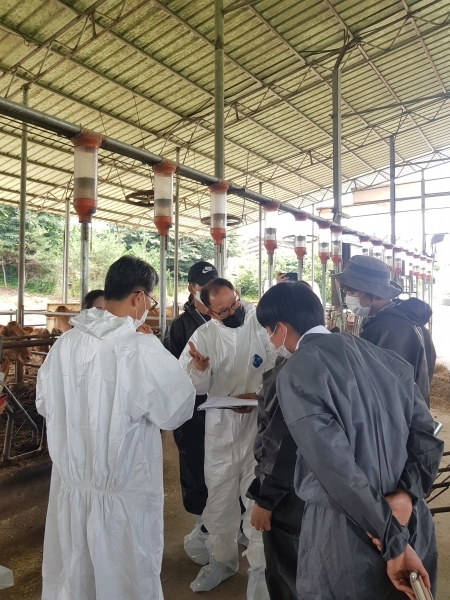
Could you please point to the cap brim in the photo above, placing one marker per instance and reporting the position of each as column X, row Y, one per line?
column 204, row 279
column 386, row 292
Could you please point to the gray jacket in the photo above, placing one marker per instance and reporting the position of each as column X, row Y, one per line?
column 362, row 430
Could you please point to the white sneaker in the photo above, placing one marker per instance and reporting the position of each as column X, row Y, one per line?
column 257, row 587
column 211, row 576
column 195, row 545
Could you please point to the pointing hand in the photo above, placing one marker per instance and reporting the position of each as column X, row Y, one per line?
column 201, row 363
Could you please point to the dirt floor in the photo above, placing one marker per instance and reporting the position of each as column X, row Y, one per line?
column 23, row 501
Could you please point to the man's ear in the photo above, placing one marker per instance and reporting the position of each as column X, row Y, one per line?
column 191, row 289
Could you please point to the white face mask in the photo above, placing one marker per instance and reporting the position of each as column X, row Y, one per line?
column 282, row 350
column 139, row 322
column 197, row 297
column 354, row 304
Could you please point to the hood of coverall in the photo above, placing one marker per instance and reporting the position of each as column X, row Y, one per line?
column 101, row 323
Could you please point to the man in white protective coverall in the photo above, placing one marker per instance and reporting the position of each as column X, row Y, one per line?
column 227, row 356
column 106, row 390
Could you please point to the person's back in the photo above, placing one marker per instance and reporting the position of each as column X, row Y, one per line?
column 391, row 324
column 278, row 510
column 360, row 384
column 227, row 357
column 365, row 439
column 401, row 327
column 190, row 437
column 106, row 391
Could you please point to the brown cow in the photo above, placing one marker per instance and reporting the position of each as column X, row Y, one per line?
column 22, row 355
column 62, row 323
column 30, row 330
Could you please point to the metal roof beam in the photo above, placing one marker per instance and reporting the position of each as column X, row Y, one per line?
column 51, row 39
column 176, row 141
column 248, row 73
column 424, row 46
column 305, row 62
column 374, row 68
column 190, row 82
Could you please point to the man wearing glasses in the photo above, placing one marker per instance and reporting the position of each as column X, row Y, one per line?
column 106, row 390
column 227, row 357
column 190, row 437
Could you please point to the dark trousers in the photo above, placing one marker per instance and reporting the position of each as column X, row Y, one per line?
column 190, row 440
column 281, row 548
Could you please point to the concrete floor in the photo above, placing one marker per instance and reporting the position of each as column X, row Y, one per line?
column 23, row 502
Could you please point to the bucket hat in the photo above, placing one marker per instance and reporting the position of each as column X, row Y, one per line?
column 369, row 275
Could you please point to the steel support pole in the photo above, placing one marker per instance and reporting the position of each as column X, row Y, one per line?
column 270, row 269
column 65, row 278
column 163, row 247
column 84, row 262
column 324, row 290
column 219, row 131
column 219, row 107
column 177, row 240
column 260, row 240
column 422, row 206
column 300, row 269
column 22, row 215
column 337, row 140
column 392, row 185
column 312, row 250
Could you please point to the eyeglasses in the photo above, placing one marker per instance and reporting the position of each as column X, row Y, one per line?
column 226, row 312
column 154, row 303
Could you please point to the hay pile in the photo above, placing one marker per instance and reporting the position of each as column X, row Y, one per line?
column 440, row 389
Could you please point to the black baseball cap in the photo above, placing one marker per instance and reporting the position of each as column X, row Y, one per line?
column 202, row 272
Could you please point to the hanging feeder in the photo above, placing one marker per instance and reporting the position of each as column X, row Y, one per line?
column 389, row 256
column 398, row 260
column 300, row 235
column 163, row 196
column 336, row 244
column 218, row 216
column 377, row 249
column 366, row 245
column 85, row 179
column 324, row 242
column 410, row 263
column 270, row 228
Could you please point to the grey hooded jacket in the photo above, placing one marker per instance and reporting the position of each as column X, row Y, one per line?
column 362, row 430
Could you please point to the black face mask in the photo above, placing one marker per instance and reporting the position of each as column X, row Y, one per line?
column 235, row 320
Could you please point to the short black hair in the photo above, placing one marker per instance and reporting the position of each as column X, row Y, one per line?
column 212, row 288
column 127, row 275
column 91, row 297
column 293, row 303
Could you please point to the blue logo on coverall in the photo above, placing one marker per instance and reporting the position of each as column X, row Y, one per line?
column 257, row 361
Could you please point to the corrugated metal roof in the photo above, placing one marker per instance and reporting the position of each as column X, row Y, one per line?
column 142, row 71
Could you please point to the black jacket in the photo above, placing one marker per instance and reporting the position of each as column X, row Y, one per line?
column 275, row 450
column 180, row 331
column 400, row 327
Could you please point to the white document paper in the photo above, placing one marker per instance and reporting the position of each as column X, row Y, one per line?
column 226, row 402
column 6, row 578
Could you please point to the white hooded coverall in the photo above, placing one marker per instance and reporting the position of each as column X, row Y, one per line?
column 106, row 391
column 238, row 358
